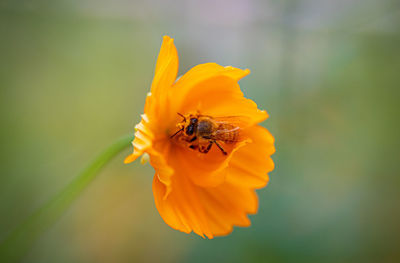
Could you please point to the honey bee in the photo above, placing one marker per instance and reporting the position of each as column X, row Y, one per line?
column 202, row 131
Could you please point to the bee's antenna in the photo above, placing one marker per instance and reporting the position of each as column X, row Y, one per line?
column 172, row 136
column 184, row 118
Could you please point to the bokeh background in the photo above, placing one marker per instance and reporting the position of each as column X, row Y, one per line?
column 73, row 79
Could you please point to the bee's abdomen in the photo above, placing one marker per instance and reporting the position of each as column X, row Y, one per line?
column 227, row 133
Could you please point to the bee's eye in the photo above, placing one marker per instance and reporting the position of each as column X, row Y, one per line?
column 193, row 120
column 189, row 130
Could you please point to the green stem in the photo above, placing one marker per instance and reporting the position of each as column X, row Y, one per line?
column 20, row 240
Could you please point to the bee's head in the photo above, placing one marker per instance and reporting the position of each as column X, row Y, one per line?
column 191, row 126
column 188, row 125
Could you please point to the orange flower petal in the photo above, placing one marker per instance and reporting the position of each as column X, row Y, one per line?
column 206, row 211
column 143, row 139
column 180, row 91
column 181, row 209
column 164, row 76
column 158, row 150
column 158, row 159
column 228, row 205
column 146, row 131
column 208, row 70
column 218, row 95
column 250, row 165
column 207, row 170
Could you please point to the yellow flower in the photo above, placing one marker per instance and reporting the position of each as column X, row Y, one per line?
column 205, row 144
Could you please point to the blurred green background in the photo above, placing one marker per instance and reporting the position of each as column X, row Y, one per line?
column 73, row 79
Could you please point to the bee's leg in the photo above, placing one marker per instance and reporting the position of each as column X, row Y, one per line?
column 192, row 146
column 202, row 149
column 193, row 139
column 208, row 147
column 220, row 147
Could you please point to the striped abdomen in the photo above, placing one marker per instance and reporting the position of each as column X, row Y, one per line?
column 226, row 132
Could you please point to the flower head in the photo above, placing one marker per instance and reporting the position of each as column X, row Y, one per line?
column 205, row 144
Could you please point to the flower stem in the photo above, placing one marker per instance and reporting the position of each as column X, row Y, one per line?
column 20, row 240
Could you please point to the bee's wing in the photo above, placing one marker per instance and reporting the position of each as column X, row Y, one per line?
column 231, row 124
column 236, row 122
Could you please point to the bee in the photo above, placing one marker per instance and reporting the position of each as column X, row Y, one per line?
column 201, row 132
